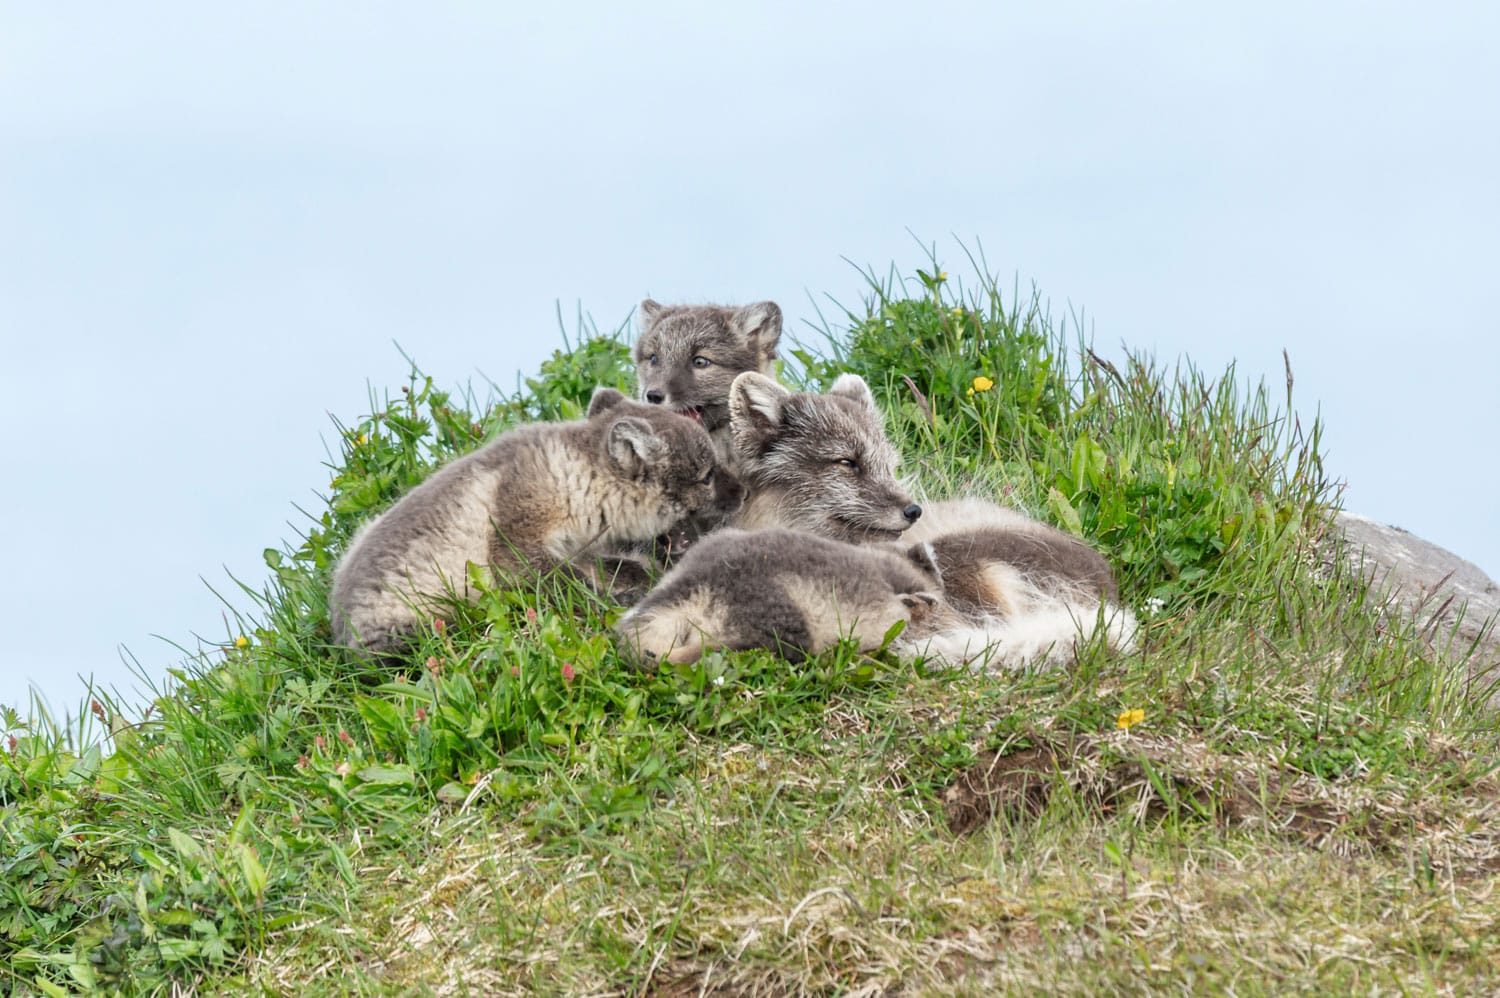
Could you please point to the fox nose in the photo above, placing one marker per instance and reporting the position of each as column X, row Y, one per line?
column 912, row 512
column 656, row 396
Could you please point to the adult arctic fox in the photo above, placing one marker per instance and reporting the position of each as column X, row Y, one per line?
column 820, row 463
column 688, row 355
column 785, row 590
column 537, row 498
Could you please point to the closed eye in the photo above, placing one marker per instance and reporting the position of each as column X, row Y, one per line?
column 850, row 463
column 707, row 479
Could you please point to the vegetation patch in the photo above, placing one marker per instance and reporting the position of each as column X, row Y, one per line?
column 1283, row 789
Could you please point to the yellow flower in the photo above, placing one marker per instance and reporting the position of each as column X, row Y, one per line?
column 942, row 275
column 983, row 384
column 363, row 439
column 1129, row 718
column 242, row 642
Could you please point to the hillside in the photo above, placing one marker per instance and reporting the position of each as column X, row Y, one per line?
column 1284, row 789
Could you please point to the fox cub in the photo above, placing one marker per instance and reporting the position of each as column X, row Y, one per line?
column 687, row 356
column 780, row 589
column 537, row 498
column 820, row 463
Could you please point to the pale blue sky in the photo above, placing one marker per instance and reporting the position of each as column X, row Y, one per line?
column 214, row 223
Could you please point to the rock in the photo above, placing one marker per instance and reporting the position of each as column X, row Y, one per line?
column 1439, row 590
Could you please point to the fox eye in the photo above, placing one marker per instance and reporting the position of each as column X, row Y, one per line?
column 707, row 479
column 701, row 362
column 850, row 463
column 653, row 360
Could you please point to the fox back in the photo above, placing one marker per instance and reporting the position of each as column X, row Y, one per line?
column 687, row 356
column 779, row 589
column 536, row 499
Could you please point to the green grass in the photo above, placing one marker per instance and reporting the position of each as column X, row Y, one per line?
column 1307, row 801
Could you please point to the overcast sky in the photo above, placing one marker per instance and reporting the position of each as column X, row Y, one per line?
column 215, row 221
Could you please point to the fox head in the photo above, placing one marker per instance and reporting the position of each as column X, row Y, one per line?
column 687, row 356
column 668, row 453
column 825, row 458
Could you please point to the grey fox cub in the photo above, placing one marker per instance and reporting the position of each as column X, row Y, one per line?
column 537, row 498
column 780, row 589
column 688, row 355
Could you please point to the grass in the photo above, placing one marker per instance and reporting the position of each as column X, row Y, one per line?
column 1283, row 790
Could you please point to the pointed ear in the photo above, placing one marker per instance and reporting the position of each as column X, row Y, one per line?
column 925, row 558
column 604, row 400
column 852, row 386
column 760, row 325
column 755, row 402
column 633, row 445
column 650, row 311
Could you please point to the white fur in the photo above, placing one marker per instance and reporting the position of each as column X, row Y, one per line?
column 1047, row 634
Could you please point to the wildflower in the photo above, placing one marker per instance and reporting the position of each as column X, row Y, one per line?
column 1154, row 605
column 319, row 742
column 530, row 615
column 942, row 276
column 1129, row 718
column 363, row 439
column 434, row 666
column 13, row 744
column 983, row 384
column 567, row 672
column 956, row 312
column 439, row 626
column 718, row 680
column 301, row 762
column 421, row 714
column 242, row 642
column 515, row 672
column 344, row 737
column 97, row 708
column 343, row 769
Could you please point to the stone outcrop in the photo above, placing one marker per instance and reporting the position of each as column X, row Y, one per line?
column 1454, row 604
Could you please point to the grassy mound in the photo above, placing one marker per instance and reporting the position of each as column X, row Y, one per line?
column 1279, row 791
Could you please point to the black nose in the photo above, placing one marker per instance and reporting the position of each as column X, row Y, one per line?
column 656, row 397
column 912, row 512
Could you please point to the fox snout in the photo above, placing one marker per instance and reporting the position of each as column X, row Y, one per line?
column 912, row 512
column 656, row 396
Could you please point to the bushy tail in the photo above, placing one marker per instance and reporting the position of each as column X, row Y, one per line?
column 1049, row 633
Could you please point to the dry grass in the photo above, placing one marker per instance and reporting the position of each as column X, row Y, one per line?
column 1123, row 863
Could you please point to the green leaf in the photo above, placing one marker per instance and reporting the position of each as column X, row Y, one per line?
column 387, row 774
column 184, row 844
column 453, row 793
column 251, row 869
column 1064, row 512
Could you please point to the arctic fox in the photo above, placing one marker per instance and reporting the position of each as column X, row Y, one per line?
column 820, row 463
column 784, row 590
column 537, row 498
column 687, row 356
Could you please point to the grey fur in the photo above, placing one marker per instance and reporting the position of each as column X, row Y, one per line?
column 820, row 463
column 688, row 355
column 1050, row 561
column 780, row 589
column 535, row 499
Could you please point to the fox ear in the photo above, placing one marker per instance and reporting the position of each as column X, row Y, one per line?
column 651, row 310
column 633, row 445
column 852, row 386
column 604, row 399
column 925, row 558
column 760, row 325
column 755, row 401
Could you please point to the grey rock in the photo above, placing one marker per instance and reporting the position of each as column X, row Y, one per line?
column 1455, row 606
